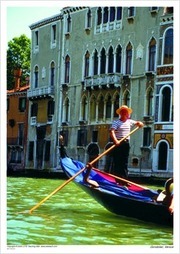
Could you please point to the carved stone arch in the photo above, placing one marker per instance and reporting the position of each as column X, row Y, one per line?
column 110, row 46
column 126, row 97
column 92, row 97
column 107, row 95
column 114, row 96
column 129, row 44
column 100, row 95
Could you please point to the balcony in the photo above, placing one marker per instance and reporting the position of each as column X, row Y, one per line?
column 103, row 81
column 40, row 92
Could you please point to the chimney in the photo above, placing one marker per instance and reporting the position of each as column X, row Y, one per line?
column 17, row 76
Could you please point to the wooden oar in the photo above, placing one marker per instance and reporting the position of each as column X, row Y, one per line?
column 80, row 171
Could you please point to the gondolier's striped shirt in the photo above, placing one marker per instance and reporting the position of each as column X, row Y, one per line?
column 121, row 128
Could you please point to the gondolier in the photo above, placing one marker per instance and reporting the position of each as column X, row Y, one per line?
column 119, row 129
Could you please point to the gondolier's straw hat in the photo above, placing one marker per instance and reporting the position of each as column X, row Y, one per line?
column 124, row 107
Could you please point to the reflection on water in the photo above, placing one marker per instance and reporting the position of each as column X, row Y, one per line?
column 71, row 217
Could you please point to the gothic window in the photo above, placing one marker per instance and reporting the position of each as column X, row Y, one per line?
column 103, row 61
column 99, row 16
column 166, row 104
column 108, row 107
column 68, row 24
column 95, row 62
column 53, row 33
column 66, row 110
column 67, row 69
column 119, row 13
column 101, row 108
column 152, row 55
column 86, row 70
column 128, row 58
column 36, row 38
column 112, row 14
column 36, row 76
column 116, row 104
column 149, row 102
column 88, row 19
column 118, row 59
column 52, row 73
column 126, row 98
column 111, row 61
column 84, row 108
column 105, row 15
column 168, row 47
column 93, row 109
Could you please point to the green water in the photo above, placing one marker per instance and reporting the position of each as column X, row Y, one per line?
column 71, row 217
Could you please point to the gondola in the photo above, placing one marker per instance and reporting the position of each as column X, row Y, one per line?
column 123, row 198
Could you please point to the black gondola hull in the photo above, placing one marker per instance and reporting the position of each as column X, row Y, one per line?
column 134, row 201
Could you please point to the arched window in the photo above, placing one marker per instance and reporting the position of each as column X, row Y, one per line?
column 118, row 59
column 112, row 14
column 84, row 108
column 105, row 15
column 116, row 104
column 93, row 109
column 67, row 69
column 52, row 73
column 68, row 23
column 99, row 16
column 126, row 98
column 166, row 104
column 101, row 108
column 103, row 61
column 88, row 19
column 95, row 62
column 66, row 110
column 111, row 61
column 162, row 156
column 108, row 107
column 119, row 13
column 149, row 102
column 128, row 58
column 86, row 69
column 152, row 55
column 168, row 47
column 36, row 77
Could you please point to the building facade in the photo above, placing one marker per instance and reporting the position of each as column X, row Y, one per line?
column 86, row 61
column 17, row 124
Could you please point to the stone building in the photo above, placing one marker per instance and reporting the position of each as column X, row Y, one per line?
column 86, row 61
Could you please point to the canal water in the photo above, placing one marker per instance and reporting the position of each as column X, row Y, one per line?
column 71, row 217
